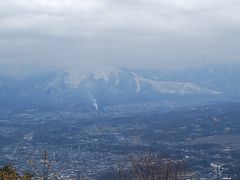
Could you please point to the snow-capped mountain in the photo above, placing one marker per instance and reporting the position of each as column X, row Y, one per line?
column 73, row 80
column 98, row 87
column 108, row 86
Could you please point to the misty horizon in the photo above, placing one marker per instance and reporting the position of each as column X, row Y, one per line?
column 27, row 70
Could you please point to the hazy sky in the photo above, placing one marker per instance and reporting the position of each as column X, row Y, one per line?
column 142, row 33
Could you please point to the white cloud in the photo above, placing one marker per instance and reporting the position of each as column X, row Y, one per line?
column 130, row 29
column 106, row 15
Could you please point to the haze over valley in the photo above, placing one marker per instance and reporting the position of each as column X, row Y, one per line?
column 119, row 90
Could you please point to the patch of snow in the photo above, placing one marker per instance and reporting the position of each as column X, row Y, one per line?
column 106, row 74
column 74, row 77
column 182, row 88
column 137, row 79
column 169, row 87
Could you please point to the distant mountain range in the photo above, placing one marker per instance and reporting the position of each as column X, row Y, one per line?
column 100, row 87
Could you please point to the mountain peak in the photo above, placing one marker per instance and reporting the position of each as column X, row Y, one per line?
column 74, row 76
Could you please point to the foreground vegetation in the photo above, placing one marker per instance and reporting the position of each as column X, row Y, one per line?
column 146, row 166
column 10, row 173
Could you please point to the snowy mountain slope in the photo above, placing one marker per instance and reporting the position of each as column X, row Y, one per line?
column 169, row 87
column 74, row 77
column 103, row 86
column 115, row 86
column 115, row 78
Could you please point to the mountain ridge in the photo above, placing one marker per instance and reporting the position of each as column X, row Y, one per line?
column 99, row 87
